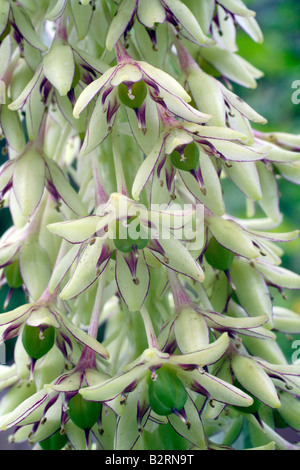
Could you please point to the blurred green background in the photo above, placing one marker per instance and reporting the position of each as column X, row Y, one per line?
column 279, row 58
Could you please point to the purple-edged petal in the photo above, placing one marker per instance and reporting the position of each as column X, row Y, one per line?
column 175, row 256
column 86, row 271
column 66, row 192
column 149, row 17
column 19, row 314
column 204, row 356
column 76, row 231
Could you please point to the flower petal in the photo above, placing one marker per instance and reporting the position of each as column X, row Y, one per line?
column 113, row 387
column 59, row 66
column 232, row 236
column 215, row 388
column 242, row 273
column 253, row 378
column 76, row 231
column 146, row 169
column 149, row 17
column 64, row 188
column 83, row 337
column 35, row 267
column 187, row 20
column 19, row 313
column 24, row 25
column 85, row 272
column 27, row 412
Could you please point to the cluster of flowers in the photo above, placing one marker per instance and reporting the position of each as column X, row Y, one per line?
column 136, row 333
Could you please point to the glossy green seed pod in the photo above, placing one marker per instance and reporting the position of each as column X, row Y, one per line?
column 35, row 345
column 166, row 393
column 191, row 155
column 83, row 413
column 126, row 243
column 252, row 409
column 137, row 96
column 55, row 442
column 218, row 256
column 13, row 276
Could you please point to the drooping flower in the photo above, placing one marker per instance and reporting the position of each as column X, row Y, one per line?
column 136, row 237
column 136, row 84
column 173, row 12
column 189, row 150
